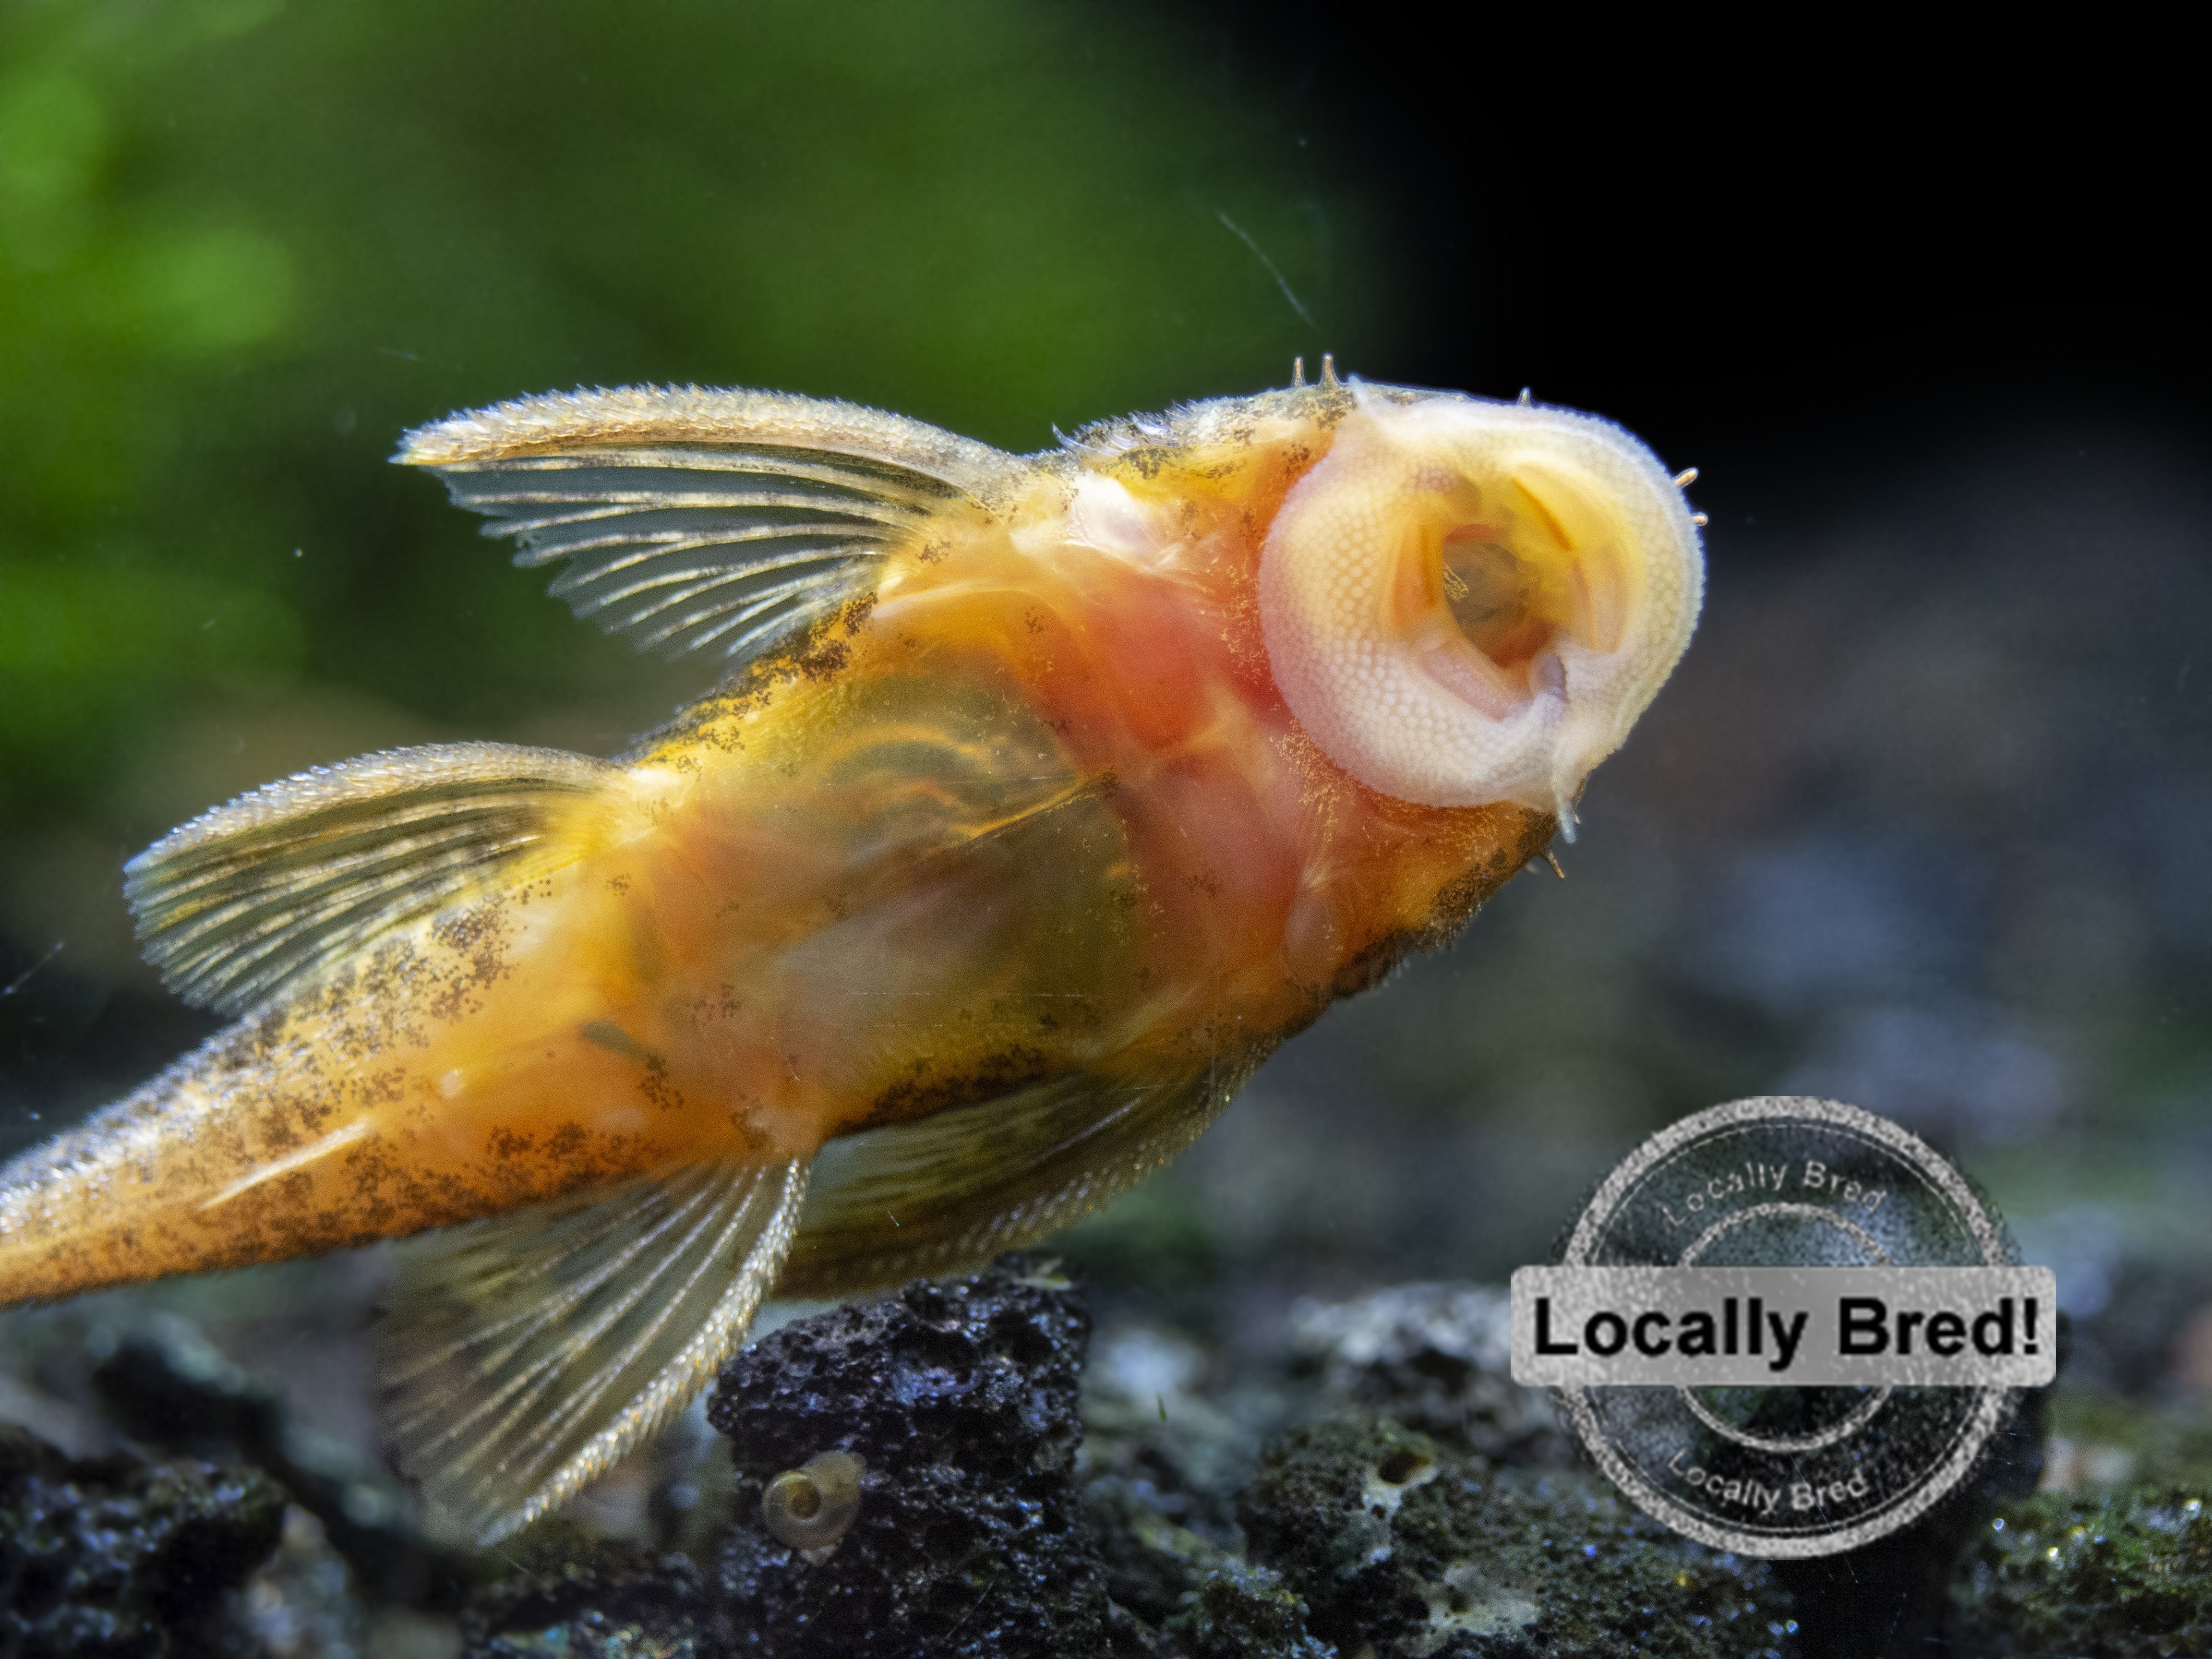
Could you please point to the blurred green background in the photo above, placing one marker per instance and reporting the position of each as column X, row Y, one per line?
column 1920, row 822
column 243, row 248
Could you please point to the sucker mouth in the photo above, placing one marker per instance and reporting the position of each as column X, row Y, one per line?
column 1468, row 603
column 1488, row 602
column 1549, row 676
column 1471, row 678
column 1495, row 596
column 1493, row 614
column 1482, row 683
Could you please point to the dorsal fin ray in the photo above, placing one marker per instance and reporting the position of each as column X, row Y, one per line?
column 522, row 1356
column 253, row 899
column 692, row 519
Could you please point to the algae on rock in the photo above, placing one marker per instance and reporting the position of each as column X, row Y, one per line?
column 2115, row 1576
column 1401, row 1546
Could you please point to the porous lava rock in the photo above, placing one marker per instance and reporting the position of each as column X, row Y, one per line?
column 962, row 1400
column 2116, row 1574
column 1240, row 1611
column 1437, row 1358
column 578, row 1597
column 1401, row 1547
column 1893, row 1595
column 120, row 1558
column 170, row 1391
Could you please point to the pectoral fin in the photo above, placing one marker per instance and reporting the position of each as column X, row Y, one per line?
column 254, row 898
column 691, row 518
column 940, row 1194
column 523, row 1356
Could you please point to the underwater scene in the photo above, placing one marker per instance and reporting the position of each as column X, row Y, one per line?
column 1033, row 828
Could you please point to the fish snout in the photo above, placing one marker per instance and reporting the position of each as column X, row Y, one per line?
column 1467, row 602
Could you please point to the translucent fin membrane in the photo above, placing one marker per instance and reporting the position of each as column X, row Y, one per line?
column 954, row 1190
column 254, row 898
column 523, row 1356
column 724, row 550
column 702, row 520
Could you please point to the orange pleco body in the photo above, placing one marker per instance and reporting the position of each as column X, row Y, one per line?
column 997, row 864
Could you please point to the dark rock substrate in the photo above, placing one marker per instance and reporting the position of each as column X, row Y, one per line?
column 120, row 1558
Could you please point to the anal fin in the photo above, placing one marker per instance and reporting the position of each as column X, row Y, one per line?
column 524, row 1355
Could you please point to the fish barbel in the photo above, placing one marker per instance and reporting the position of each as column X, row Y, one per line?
column 1045, row 796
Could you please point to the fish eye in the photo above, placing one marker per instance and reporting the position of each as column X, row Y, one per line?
column 815, row 1504
column 1467, row 603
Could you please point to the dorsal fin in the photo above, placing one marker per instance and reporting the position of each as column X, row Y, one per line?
column 251, row 899
column 691, row 518
column 523, row 1356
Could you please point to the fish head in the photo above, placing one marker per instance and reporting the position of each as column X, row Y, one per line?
column 1467, row 602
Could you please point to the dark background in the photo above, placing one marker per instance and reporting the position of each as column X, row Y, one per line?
column 1921, row 822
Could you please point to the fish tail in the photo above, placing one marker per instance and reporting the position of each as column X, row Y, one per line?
column 344, row 914
column 158, row 1183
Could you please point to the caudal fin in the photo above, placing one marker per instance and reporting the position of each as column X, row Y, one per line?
column 255, row 1147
